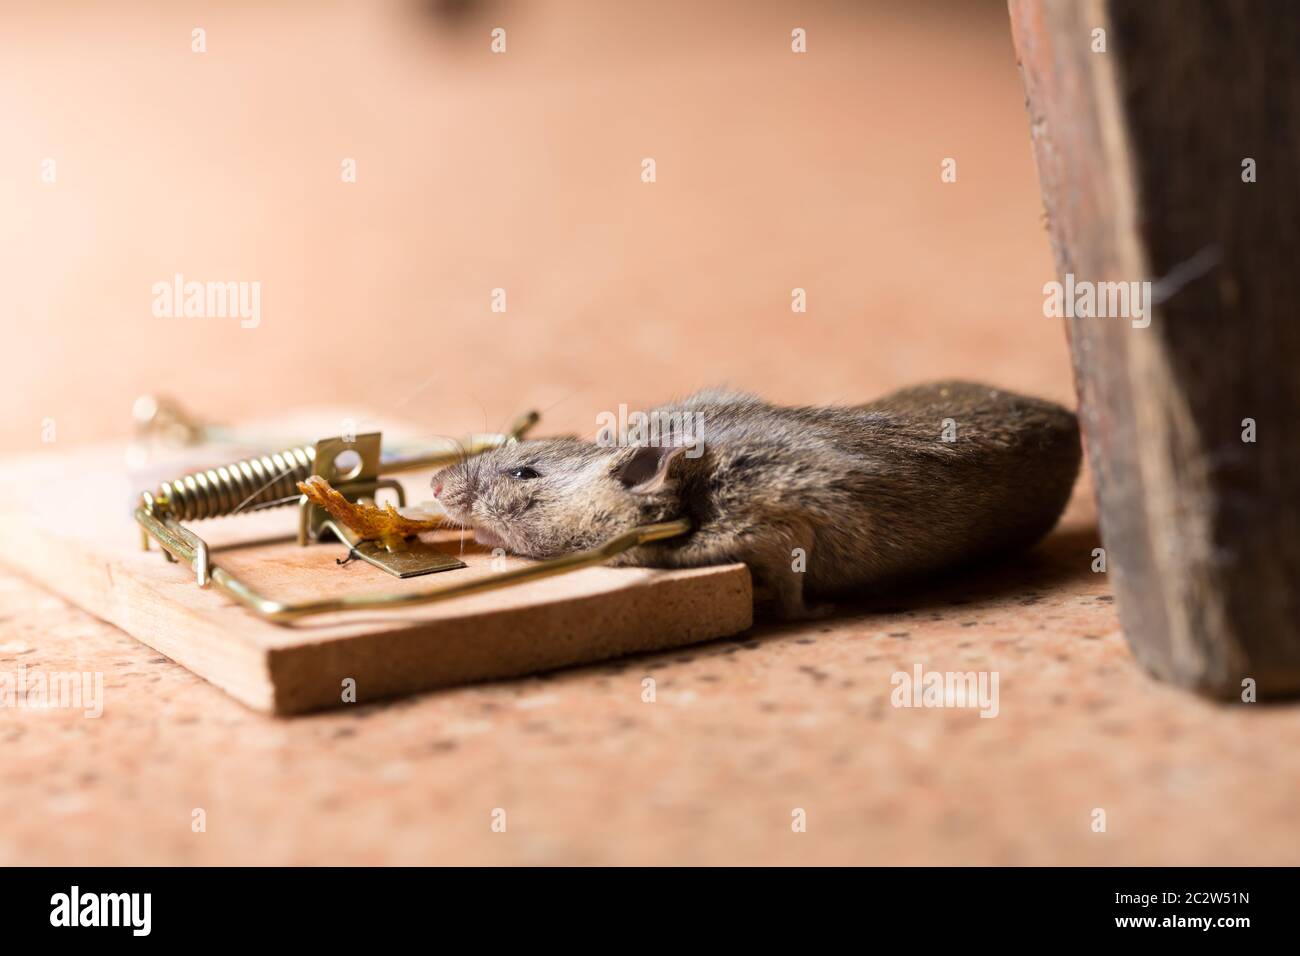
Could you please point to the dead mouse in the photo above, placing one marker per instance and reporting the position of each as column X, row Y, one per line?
column 820, row 502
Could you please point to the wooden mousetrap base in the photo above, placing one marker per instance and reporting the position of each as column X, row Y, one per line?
column 65, row 523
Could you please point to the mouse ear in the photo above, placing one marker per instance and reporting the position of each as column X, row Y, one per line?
column 644, row 470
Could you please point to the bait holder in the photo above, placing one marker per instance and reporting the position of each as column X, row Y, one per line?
column 356, row 467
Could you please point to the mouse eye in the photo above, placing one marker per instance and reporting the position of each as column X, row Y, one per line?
column 523, row 474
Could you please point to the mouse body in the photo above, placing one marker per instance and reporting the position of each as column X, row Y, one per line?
column 820, row 502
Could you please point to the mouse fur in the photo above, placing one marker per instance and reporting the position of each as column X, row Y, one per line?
column 819, row 502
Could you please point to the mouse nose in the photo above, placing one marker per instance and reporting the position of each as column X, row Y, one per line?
column 437, row 489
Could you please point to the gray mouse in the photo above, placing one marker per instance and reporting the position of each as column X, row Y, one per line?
column 819, row 502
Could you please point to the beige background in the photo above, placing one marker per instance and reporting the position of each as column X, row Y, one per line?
column 518, row 171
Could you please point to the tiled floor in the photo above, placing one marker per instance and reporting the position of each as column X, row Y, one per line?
column 741, row 735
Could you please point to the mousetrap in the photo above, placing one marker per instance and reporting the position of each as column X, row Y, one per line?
column 267, row 594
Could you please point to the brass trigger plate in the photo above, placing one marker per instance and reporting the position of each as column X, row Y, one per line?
column 409, row 559
column 418, row 558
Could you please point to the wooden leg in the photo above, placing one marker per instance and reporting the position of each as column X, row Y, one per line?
column 1174, row 156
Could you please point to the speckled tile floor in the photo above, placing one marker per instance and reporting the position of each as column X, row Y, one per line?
column 741, row 735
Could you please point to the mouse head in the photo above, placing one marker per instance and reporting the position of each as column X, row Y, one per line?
column 545, row 498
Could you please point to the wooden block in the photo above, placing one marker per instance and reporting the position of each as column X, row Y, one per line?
column 1141, row 151
column 65, row 523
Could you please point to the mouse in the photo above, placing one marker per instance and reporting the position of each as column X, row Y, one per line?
column 822, row 503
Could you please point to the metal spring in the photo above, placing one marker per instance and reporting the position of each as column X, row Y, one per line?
column 266, row 481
